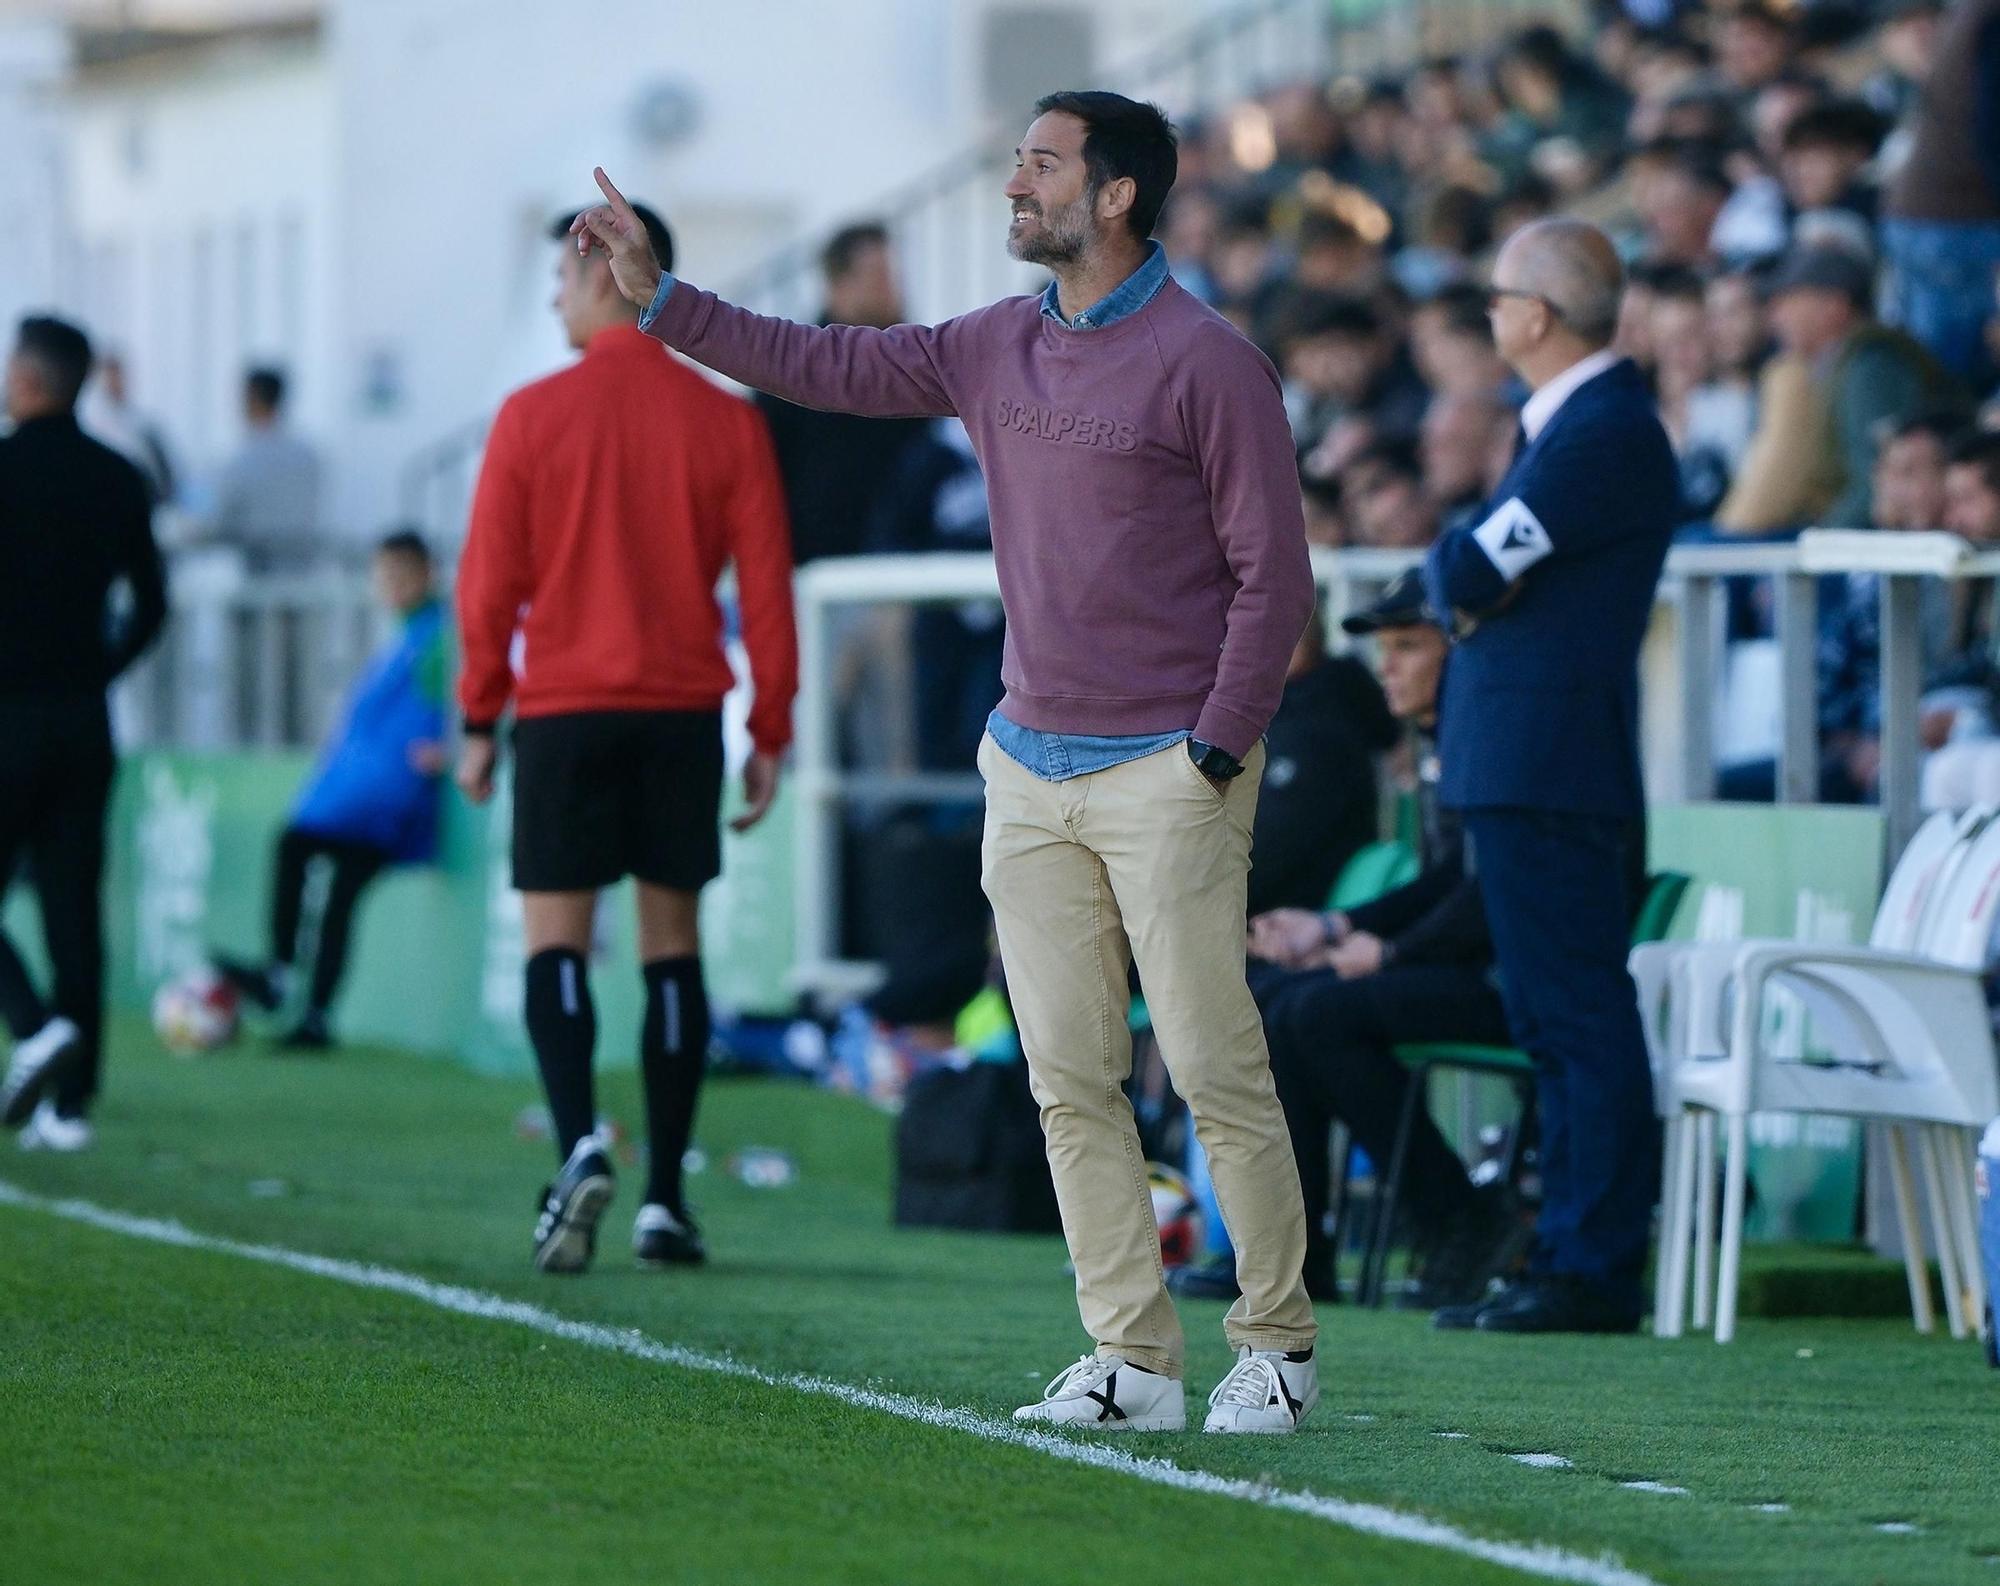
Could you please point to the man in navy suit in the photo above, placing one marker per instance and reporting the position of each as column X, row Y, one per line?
column 1550, row 592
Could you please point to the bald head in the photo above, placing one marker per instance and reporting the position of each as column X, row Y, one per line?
column 1573, row 266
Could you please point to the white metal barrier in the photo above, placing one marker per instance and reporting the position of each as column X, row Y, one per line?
column 1681, row 666
column 248, row 662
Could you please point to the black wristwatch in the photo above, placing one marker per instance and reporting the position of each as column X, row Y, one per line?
column 1218, row 765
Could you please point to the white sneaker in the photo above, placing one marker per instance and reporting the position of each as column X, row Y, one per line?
column 48, row 1132
column 37, row 1063
column 1107, row 1393
column 1265, row 1391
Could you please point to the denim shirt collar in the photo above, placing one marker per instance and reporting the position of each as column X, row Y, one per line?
column 1124, row 300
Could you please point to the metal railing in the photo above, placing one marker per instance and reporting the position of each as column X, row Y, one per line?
column 244, row 662
column 1682, row 664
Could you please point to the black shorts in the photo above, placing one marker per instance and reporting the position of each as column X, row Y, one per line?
column 605, row 794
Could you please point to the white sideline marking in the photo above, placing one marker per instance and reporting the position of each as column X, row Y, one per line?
column 1535, row 1558
column 1541, row 1461
column 1772, row 1508
column 1654, row 1486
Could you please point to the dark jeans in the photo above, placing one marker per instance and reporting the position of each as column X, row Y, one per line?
column 1941, row 290
column 353, row 866
column 1332, row 1047
column 56, row 766
column 1559, row 907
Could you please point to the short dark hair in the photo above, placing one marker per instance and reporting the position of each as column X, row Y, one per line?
column 60, row 350
column 1839, row 124
column 1940, row 424
column 1701, row 160
column 1760, row 13
column 1395, row 455
column 405, row 541
column 1320, row 229
column 1981, row 450
column 1678, row 281
column 844, row 248
column 1305, row 315
column 265, row 386
column 1123, row 138
column 656, row 231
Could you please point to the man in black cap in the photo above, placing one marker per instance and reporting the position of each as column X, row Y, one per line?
column 1841, row 378
column 1340, row 990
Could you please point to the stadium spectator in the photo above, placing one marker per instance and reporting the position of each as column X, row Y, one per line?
column 1907, row 45
column 1563, row 118
column 1964, row 728
column 1383, row 489
column 1118, row 809
column 1755, row 43
column 1339, row 990
column 1318, row 805
column 835, row 465
column 108, row 413
column 75, row 525
column 1451, row 346
column 611, row 497
column 1555, row 589
column 1827, row 152
column 1839, row 376
column 1342, row 360
column 1461, row 431
column 1679, row 189
column 1942, row 227
column 1908, row 494
column 371, row 802
column 1725, row 408
column 267, row 501
column 1708, row 432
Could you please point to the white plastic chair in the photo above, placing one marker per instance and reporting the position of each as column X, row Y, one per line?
column 1913, row 1053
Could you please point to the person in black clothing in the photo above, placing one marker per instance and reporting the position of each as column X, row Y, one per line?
column 75, row 522
column 1318, row 806
column 835, row 465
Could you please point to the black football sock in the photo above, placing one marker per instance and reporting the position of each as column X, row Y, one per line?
column 562, row 1025
column 673, row 1053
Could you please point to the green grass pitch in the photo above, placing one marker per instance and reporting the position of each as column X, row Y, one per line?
column 177, row 1414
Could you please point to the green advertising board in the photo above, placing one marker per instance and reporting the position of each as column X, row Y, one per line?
column 1809, row 873
column 437, row 954
column 438, row 948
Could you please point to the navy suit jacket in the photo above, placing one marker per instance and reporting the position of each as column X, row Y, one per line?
column 1541, row 700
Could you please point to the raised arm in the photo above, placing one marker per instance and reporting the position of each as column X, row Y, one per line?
column 890, row 373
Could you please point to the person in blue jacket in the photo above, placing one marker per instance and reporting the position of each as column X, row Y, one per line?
column 1549, row 593
column 371, row 801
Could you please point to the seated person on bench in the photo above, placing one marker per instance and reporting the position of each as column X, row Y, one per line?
column 371, row 802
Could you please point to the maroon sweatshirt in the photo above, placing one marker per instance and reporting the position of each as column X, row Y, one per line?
column 1143, row 490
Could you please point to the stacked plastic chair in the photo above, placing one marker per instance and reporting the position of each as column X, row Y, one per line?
column 1911, row 1047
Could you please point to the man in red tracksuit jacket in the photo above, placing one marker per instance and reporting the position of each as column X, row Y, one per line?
column 611, row 498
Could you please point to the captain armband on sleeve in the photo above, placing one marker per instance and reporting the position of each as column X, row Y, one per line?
column 1513, row 539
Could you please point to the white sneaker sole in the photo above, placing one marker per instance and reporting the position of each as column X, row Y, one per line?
column 1131, row 1423
column 569, row 1247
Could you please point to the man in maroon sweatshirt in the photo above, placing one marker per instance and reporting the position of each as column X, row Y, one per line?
column 1152, row 562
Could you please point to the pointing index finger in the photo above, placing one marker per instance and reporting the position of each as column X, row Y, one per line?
column 616, row 198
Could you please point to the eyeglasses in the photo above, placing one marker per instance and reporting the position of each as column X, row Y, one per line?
column 1495, row 293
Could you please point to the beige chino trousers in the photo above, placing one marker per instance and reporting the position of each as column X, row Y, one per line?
column 1148, row 862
